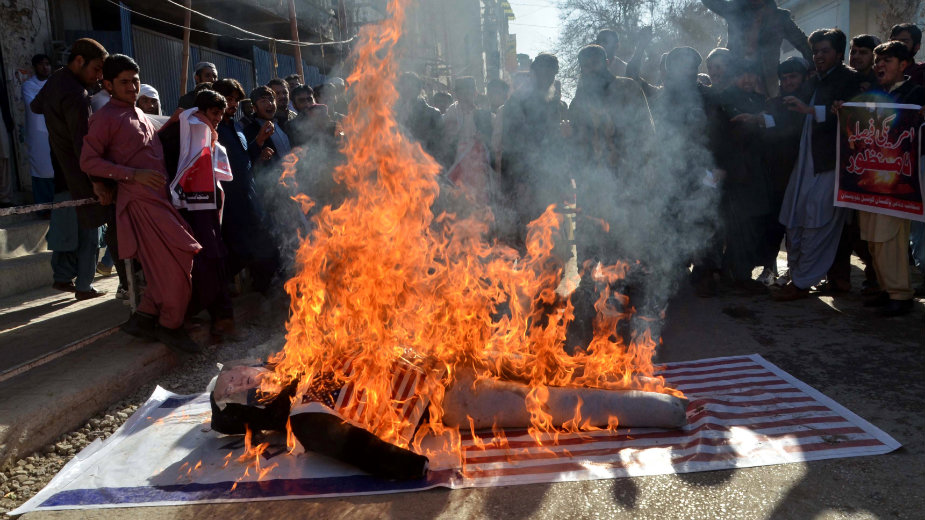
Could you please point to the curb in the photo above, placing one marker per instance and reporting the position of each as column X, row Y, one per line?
column 40, row 405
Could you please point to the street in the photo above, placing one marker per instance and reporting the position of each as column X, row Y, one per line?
column 871, row 365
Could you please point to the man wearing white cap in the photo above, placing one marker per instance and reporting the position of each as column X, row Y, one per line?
column 148, row 100
column 204, row 72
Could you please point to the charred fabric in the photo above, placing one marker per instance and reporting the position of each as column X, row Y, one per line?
column 468, row 403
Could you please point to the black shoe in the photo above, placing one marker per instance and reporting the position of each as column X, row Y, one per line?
column 140, row 325
column 870, row 288
column 177, row 339
column 86, row 295
column 896, row 308
column 879, row 300
column 749, row 287
column 64, row 287
column 830, row 287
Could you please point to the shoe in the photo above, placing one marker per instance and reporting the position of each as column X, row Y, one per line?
column 749, row 287
column 896, row 308
column 789, row 293
column 768, row 276
column 64, row 286
column 878, row 300
column 177, row 339
column 103, row 270
column 870, row 288
column 830, row 287
column 783, row 279
column 86, row 295
column 121, row 293
column 140, row 325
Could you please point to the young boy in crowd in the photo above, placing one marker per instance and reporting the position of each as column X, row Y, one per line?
column 195, row 164
column 121, row 145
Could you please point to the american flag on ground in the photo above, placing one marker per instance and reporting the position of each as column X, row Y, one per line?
column 348, row 402
column 743, row 412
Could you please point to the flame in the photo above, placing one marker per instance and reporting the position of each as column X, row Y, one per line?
column 381, row 274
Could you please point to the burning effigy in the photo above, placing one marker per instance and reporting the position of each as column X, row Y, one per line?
column 406, row 323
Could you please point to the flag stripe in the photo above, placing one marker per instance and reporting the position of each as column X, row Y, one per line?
column 555, row 452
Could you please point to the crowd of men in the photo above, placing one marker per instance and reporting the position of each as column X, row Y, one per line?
column 178, row 195
column 765, row 137
column 186, row 196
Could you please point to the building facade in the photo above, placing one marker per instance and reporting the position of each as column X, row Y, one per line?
column 152, row 32
column 446, row 39
column 854, row 17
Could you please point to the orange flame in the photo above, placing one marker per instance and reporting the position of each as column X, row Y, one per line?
column 381, row 274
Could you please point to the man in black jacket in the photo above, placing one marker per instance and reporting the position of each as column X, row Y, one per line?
column 74, row 236
column 814, row 224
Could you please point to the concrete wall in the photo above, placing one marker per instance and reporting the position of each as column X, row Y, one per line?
column 26, row 32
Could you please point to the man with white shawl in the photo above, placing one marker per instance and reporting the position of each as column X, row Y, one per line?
column 198, row 164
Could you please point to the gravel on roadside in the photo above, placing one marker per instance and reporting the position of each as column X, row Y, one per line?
column 21, row 480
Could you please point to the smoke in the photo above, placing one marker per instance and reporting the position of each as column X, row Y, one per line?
column 640, row 182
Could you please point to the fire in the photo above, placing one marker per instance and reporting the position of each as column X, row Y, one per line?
column 382, row 275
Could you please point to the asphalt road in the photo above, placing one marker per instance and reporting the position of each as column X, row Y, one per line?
column 873, row 366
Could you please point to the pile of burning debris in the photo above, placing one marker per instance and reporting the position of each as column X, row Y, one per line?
column 406, row 324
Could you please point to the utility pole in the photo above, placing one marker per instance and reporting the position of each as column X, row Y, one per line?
column 184, row 71
column 294, row 31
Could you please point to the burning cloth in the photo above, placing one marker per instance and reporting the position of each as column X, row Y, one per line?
column 330, row 416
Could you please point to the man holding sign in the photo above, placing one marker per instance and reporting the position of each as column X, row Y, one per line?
column 814, row 225
column 878, row 171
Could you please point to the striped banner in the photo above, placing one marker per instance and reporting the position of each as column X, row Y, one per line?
column 743, row 412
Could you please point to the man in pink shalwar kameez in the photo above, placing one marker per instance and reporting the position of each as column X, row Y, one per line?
column 122, row 145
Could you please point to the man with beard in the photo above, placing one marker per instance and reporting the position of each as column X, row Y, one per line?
column 284, row 115
column 244, row 225
column 74, row 232
column 204, row 72
column 861, row 59
column 612, row 130
column 838, row 278
column 814, row 224
column 756, row 30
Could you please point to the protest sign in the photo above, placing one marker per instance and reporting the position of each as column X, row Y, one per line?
column 879, row 146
